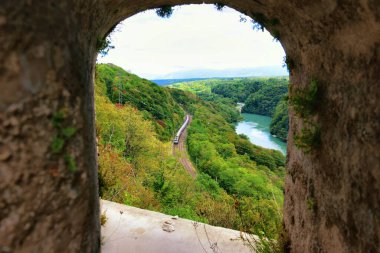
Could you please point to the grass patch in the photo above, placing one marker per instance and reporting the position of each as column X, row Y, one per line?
column 266, row 245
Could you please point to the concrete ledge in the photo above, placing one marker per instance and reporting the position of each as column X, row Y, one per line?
column 133, row 230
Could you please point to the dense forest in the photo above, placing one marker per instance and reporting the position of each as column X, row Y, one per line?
column 154, row 102
column 260, row 95
column 238, row 185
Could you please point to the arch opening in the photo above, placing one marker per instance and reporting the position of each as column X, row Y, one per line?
column 46, row 80
column 125, row 95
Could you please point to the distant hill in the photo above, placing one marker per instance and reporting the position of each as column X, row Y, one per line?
column 166, row 82
column 200, row 74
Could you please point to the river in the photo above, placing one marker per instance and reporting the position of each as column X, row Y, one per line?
column 256, row 127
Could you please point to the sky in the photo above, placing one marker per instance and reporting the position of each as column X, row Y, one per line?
column 195, row 37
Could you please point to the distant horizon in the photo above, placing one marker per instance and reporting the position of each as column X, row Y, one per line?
column 215, row 77
column 170, row 81
column 196, row 74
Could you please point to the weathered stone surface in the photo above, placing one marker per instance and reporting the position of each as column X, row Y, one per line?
column 131, row 229
column 47, row 52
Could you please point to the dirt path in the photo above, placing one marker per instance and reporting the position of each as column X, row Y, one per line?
column 180, row 151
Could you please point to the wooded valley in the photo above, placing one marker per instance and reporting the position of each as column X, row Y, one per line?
column 239, row 185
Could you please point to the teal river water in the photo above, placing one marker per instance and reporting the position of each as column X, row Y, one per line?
column 256, row 127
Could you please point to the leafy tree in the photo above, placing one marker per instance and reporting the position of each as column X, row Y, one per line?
column 279, row 125
column 266, row 99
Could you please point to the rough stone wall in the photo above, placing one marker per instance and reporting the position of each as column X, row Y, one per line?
column 48, row 179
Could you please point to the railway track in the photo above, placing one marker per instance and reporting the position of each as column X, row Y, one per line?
column 180, row 151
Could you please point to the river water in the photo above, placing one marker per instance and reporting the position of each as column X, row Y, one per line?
column 256, row 127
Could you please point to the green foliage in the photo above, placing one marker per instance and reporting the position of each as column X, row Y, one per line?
column 63, row 135
column 68, row 132
column 225, row 106
column 243, row 136
column 309, row 139
column 238, row 89
column 254, row 92
column 305, row 102
column 250, row 173
column 57, row 145
column 70, row 162
column 279, row 125
column 239, row 185
column 265, row 245
column 155, row 102
column 265, row 100
column 135, row 167
column 103, row 45
column 262, row 244
column 200, row 86
column 269, row 158
column 261, row 96
column 165, row 11
column 58, row 118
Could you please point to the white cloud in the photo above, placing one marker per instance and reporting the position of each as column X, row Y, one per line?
column 194, row 37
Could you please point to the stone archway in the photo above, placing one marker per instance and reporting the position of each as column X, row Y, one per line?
column 48, row 181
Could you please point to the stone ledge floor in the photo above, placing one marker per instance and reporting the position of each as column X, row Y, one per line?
column 134, row 230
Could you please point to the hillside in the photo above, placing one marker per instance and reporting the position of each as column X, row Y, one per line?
column 239, row 185
column 165, row 82
column 260, row 95
column 155, row 103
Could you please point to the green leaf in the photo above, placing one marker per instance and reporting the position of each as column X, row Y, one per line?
column 58, row 118
column 57, row 145
column 68, row 132
column 70, row 162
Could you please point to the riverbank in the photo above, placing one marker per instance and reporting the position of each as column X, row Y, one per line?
column 256, row 127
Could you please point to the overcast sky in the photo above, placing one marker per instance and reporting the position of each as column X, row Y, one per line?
column 194, row 37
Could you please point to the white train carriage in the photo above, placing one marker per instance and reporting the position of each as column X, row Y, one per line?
column 180, row 131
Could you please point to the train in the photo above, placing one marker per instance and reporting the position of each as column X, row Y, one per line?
column 180, row 131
